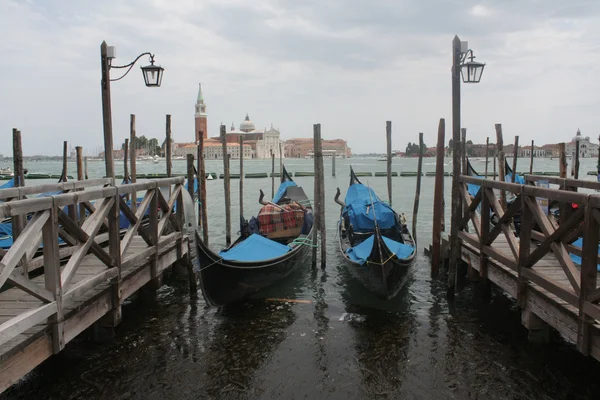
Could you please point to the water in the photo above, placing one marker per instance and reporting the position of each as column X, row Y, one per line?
column 332, row 340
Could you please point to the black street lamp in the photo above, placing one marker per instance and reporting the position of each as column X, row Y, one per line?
column 152, row 78
column 471, row 72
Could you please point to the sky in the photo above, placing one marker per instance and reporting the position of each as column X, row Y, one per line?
column 350, row 65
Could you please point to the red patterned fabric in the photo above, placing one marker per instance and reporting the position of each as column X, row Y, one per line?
column 274, row 218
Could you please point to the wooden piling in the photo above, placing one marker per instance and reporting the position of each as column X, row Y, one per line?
column 438, row 203
column 18, row 221
column 192, row 276
column 125, row 160
column 494, row 151
column 203, row 214
column 316, row 197
column 487, row 146
column 531, row 159
column 562, row 160
column 226, row 186
column 80, row 176
column 242, row 176
column 273, row 174
column 322, row 224
column 63, row 175
column 576, row 161
column 501, row 163
column 418, row 189
column 85, row 169
column 388, row 140
column 168, row 146
column 280, row 160
column 133, row 159
column 333, row 164
column 190, row 174
column 515, row 154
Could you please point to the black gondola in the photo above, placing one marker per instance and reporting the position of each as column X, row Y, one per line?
column 374, row 240
column 254, row 261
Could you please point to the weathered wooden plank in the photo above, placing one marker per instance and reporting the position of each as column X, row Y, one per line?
column 14, row 368
column 135, row 221
column 86, row 284
column 24, row 321
column 91, row 313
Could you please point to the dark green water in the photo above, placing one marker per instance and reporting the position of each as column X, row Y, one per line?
column 339, row 343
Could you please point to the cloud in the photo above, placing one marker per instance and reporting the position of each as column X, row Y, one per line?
column 348, row 64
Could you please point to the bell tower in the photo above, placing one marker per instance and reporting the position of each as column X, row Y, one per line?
column 200, row 115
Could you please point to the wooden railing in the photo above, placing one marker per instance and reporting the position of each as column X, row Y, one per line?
column 85, row 220
column 581, row 289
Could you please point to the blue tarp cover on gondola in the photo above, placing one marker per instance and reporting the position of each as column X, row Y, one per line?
column 519, row 178
column 361, row 253
column 360, row 209
column 282, row 188
column 8, row 185
column 255, row 248
column 577, row 259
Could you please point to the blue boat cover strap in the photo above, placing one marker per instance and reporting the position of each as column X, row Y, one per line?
column 363, row 207
column 361, row 253
column 255, row 248
column 282, row 189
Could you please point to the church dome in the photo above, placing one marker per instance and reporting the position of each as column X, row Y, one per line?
column 577, row 137
column 247, row 125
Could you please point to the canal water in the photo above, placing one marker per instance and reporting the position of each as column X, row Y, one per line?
column 319, row 334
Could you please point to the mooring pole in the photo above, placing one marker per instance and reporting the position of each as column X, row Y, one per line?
column 562, row 159
column 494, row 151
column 203, row 217
column 192, row 277
column 272, row 174
column 80, row 176
column 455, row 246
column 487, row 145
column 280, row 161
column 463, row 139
column 438, row 200
column 241, row 176
column 531, row 159
column 18, row 221
column 317, row 196
column 168, row 147
column 322, row 224
column 333, row 164
column 226, row 186
column 106, row 112
column 133, row 158
column 125, row 161
column 501, row 163
column 388, row 140
column 85, row 168
column 63, row 176
column 576, row 163
column 515, row 154
column 418, row 190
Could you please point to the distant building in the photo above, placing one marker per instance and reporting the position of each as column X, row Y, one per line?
column 526, row 151
column 301, row 147
column 586, row 148
column 263, row 141
column 213, row 149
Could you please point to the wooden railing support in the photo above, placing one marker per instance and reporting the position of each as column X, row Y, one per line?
column 52, row 278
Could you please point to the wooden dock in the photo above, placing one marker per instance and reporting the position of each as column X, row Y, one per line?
column 53, row 293
column 535, row 267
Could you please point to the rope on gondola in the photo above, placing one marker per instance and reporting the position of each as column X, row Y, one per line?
column 304, row 242
column 383, row 263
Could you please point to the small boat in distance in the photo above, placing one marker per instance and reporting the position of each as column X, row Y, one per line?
column 374, row 240
column 269, row 248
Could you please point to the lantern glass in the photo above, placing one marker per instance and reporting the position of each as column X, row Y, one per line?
column 471, row 72
column 152, row 75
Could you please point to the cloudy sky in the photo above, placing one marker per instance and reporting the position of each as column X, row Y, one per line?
column 347, row 64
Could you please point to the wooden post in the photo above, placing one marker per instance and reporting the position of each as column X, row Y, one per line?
column 515, row 154
column 125, row 161
column 226, row 186
column 107, row 112
column 52, row 277
column 562, row 160
column 487, row 145
column 576, row 163
column 495, row 151
column 418, row 190
column 455, row 245
column 388, row 140
column 114, row 248
column 322, row 224
column 317, row 196
column 203, row 217
column 18, row 221
column 85, row 169
column 333, row 164
column 501, row 163
column 463, row 140
column 280, row 161
column 168, row 146
column 63, row 176
column 190, row 174
column 272, row 174
column 133, row 159
column 192, row 276
column 531, row 159
column 242, row 176
column 438, row 200
column 80, row 176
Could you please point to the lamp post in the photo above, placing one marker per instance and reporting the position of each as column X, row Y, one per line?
column 152, row 78
column 471, row 72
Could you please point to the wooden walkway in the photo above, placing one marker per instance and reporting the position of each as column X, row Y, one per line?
column 535, row 267
column 86, row 281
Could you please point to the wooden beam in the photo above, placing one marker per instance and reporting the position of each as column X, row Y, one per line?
column 24, row 321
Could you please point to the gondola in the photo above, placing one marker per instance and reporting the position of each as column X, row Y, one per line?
column 374, row 240
column 258, row 259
